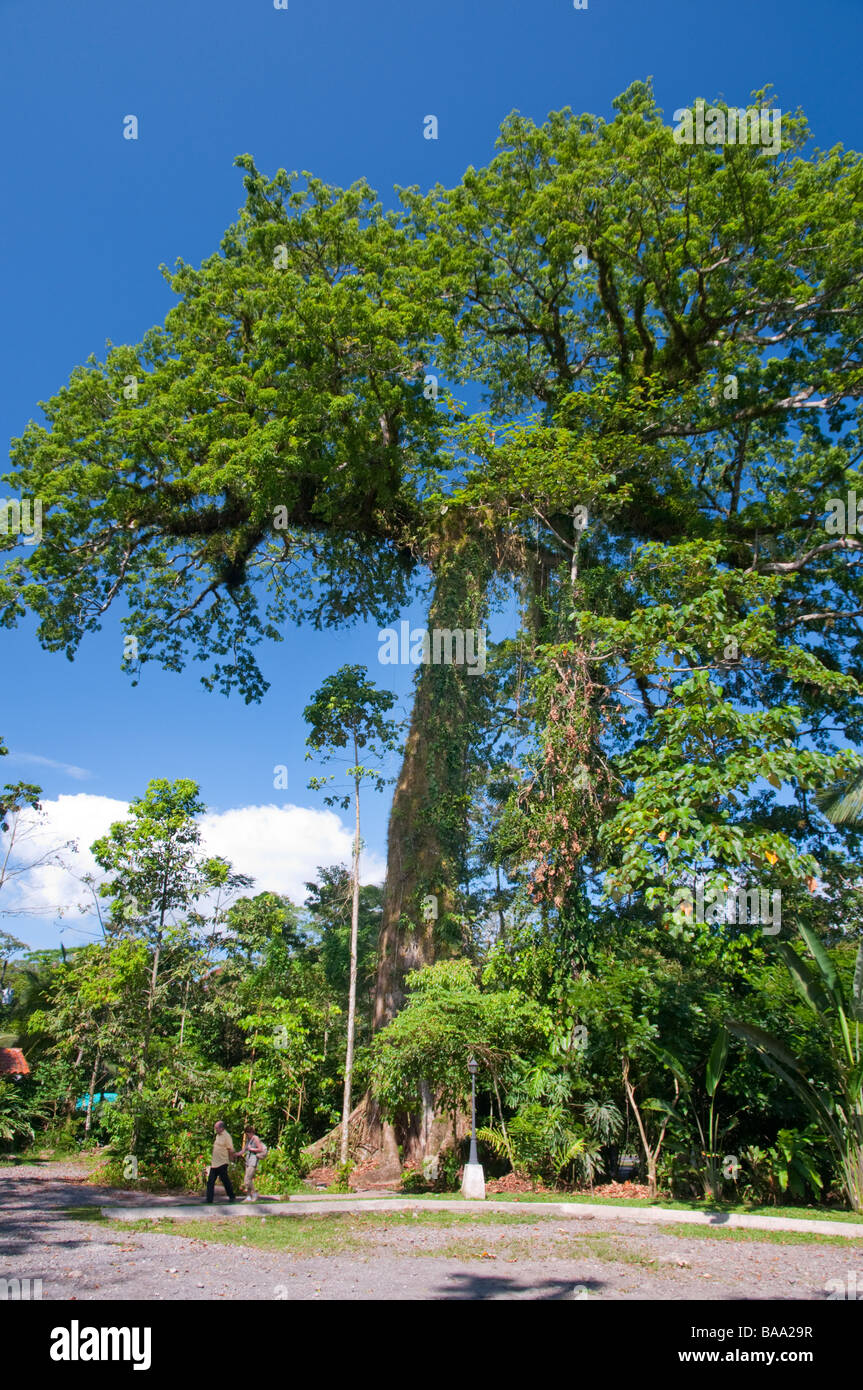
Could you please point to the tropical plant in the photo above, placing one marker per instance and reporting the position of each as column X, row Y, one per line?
column 842, row 802
column 837, row 1105
column 17, row 1113
column 789, row 1165
column 542, row 1141
column 710, row 1133
column 423, row 1053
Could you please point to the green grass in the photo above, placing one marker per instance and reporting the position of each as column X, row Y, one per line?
column 809, row 1213
column 311, row 1236
column 60, row 1154
column 772, row 1237
column 333, row 1234
column 476, row 1235
column 556, row 1245
column 672, row 1204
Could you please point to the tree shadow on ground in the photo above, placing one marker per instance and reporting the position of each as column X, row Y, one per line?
column 484, row 1286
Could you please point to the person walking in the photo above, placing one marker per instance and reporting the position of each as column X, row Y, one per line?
column 223, row 1152
column 254, row 1150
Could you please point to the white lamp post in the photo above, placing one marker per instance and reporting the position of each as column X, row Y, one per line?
column 473, row 1181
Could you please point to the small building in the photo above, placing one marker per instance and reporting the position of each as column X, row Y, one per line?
column 13, row 1062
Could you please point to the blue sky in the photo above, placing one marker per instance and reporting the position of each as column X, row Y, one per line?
column 339, row 89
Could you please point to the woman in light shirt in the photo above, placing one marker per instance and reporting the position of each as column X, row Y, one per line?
column 253, row 1150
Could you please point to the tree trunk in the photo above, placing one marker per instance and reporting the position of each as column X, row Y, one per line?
column 93, row 1075
column 148, row 1023
column 352, row 987
column 414, row 863
column 69, row 1103
column 428, row 825
column 185, row 1008
column 427, row 843
column 651, row 1153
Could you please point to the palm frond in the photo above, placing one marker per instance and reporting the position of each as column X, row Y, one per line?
column 842, row 803
column 496, row 1140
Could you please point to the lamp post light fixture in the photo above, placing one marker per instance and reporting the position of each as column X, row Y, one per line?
column 473, row 1181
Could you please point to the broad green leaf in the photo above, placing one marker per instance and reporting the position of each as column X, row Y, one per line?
column 782, row 1063
column 661, row 1105
column 764, row 1041
column 823, row 961
column 806, row 983
column 855, row 1081
column 674, row 1065
column 716, row 1061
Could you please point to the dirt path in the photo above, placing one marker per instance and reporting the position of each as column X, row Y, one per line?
column 396, row 1257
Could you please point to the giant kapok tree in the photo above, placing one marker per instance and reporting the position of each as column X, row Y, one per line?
column 668, row 339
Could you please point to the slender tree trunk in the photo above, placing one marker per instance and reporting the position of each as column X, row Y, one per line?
column 254, row 1051
column 500, row 914
column 651, row 1153
column 185, row 1008
column 148, row 1023
column 93, row 1075
column 352, row 986
column 69, row 1104
column 499, row 1109
column 151, row 1001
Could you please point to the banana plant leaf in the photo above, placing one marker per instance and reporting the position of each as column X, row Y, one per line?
column 782, row 1063
column 716, row 1061
column 823, row 961
column 806, row 983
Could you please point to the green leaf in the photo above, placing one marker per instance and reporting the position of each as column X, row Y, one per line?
column 842, row 803
column 662, row 1105
column 823, row 961
column 805, row 982
column 855, row 1081
column 716, row 1061
column 783, row 1064
column 674, row 1065
column 763, row 1041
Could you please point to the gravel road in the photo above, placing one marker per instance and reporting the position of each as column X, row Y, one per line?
column 405, row 1258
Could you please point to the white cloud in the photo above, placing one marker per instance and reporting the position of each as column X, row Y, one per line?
column 81, row 774
column 279, row 846
column 49, row 888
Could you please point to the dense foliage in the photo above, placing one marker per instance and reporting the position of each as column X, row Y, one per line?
column 641, row 826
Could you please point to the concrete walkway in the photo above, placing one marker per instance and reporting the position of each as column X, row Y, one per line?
column 576, row 1211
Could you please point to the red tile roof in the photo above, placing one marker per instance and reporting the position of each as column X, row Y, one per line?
column 12, row 1061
